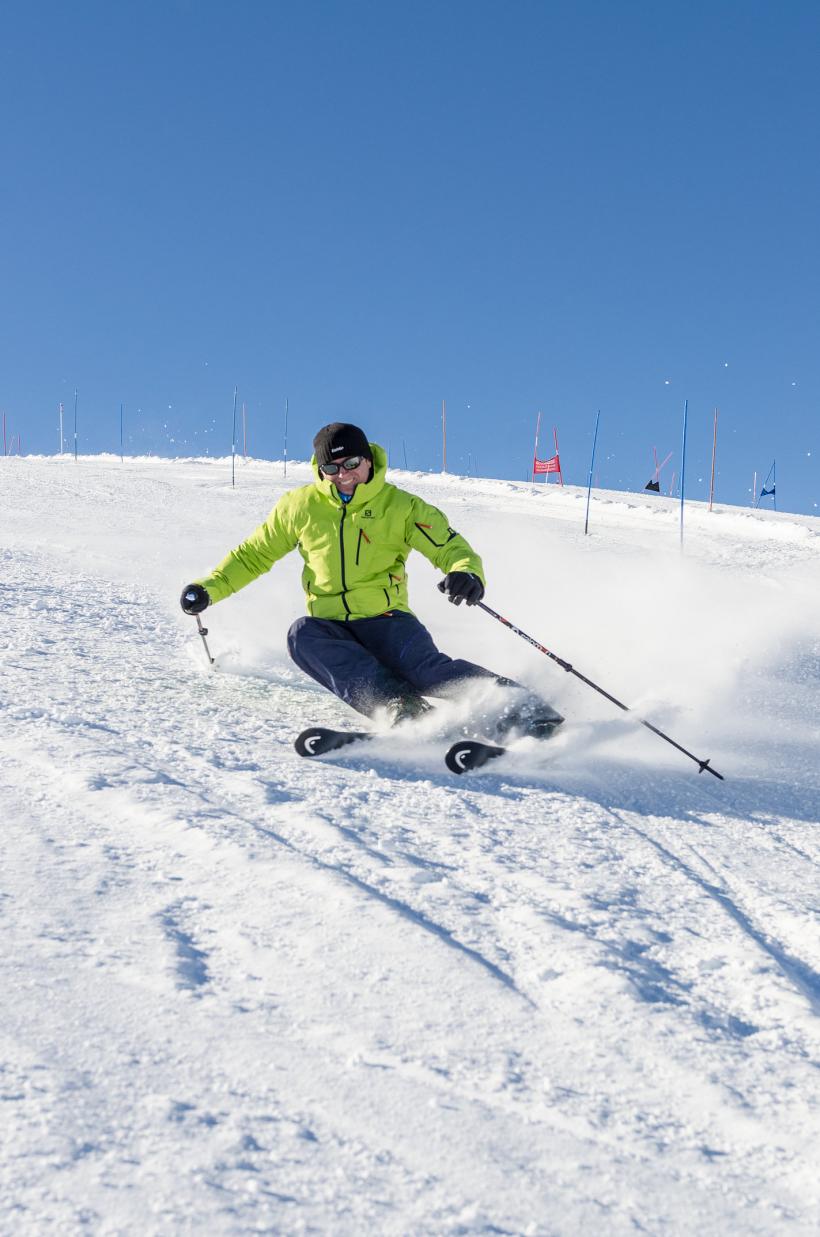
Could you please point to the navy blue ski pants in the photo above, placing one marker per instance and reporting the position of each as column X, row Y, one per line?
column 370, row 662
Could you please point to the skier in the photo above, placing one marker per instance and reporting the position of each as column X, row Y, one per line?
column 360, row 639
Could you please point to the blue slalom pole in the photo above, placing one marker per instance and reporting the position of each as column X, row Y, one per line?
column 591, row 466
column 774, row 483
column 683, row 467
column 233, row 442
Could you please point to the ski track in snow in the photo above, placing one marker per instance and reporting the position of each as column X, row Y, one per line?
column 575, row 992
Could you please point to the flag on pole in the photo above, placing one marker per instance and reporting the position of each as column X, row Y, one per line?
column 768, row 489
column 553, row 464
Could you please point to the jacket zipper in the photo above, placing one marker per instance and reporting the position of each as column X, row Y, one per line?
column 362, row 534
column 342, row 556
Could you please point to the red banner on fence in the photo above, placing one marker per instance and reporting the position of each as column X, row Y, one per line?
column 553, row 464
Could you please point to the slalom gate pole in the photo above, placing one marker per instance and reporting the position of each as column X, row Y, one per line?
column 233, row 443
column 774, row 484
column 703, row 765
column 203, row 631
column 591, row 466
column 714, row 453
column 444, row 435
column 683, row 467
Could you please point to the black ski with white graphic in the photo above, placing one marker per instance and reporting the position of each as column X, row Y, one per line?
column 463, row 756
column 318, row 740
column 470, row 754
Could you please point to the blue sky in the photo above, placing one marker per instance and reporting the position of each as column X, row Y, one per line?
column 368, row 207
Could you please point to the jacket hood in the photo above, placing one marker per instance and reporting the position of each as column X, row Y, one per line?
column 363, row 493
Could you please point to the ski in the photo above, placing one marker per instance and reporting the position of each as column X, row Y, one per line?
column 470, row 754
column 461, row 757
column 318, row 740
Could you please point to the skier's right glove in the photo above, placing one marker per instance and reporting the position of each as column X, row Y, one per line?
column 462, row 586
column 194, row 599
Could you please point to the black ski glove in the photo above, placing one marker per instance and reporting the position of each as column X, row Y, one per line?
column 462, row 586
column 194, row 599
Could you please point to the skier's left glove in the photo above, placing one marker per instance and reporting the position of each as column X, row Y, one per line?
column 462, row 586
column 194, row 599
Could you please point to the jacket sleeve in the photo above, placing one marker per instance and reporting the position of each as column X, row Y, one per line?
column 256, row 555
column 428, row 530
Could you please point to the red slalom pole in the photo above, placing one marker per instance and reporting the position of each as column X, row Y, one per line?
column 703, row 765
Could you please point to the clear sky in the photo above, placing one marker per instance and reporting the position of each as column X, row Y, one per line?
column 368, row 207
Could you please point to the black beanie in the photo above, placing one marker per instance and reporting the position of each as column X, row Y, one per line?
column 338, row 441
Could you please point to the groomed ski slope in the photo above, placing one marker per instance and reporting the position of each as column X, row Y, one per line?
column 575, row 993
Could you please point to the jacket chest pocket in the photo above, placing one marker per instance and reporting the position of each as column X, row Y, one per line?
column 362, row 542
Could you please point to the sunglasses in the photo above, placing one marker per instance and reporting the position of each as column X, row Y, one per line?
column 350, row 465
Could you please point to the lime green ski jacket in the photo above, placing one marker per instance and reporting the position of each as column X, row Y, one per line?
column 354, row 553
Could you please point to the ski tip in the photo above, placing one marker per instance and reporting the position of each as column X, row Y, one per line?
column 470, row 754
column 318, row 740
column 309, row 741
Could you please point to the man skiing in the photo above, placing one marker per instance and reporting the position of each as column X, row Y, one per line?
column 360, row 640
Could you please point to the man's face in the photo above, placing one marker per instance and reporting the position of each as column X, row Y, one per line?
column 346, row 479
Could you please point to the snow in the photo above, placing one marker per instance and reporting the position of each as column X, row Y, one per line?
column 575, row 992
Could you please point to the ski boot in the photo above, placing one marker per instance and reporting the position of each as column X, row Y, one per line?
column 528, row 717
column 406, row 708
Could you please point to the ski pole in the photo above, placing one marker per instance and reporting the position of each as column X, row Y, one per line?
column 565, row 665
column 203, row 631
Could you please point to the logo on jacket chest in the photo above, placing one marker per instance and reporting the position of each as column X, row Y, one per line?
column 367, row 514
